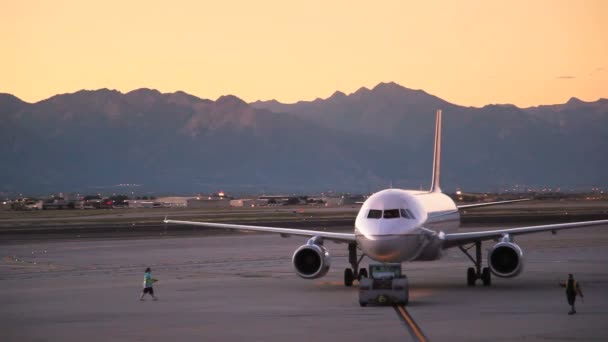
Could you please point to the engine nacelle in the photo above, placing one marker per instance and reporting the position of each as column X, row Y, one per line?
column 506, row 260
column 311, row 261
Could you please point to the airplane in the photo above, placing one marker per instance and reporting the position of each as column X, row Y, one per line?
column 395, row 226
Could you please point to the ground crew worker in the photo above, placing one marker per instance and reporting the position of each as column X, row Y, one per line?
column 572, row 290
column 148, row 281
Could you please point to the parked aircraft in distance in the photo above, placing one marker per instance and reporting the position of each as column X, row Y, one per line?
column 396, row 225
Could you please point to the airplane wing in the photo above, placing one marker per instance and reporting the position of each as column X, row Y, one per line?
column 459, row 239
column 487, row 204
column 475, row 205
column 285, row 232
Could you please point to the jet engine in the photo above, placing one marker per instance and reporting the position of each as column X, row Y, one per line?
column 312, row 260
column 506, row 259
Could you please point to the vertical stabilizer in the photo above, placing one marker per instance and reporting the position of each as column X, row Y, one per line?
column 437, row 155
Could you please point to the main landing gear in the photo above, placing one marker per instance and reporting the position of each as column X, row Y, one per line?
column 474, row 273
column 350, row 274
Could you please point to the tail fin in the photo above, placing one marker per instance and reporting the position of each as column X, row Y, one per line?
column 437, row 155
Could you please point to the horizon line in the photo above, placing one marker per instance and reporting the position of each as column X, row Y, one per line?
column 362, row 88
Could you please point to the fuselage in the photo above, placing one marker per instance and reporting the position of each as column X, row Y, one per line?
column 396, row 225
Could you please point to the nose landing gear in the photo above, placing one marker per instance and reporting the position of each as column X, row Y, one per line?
column 477, row 272
column 354, row 273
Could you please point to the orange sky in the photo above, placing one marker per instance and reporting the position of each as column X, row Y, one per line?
column 467, row 52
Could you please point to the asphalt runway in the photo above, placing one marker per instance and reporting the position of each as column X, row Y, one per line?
column 242, row 287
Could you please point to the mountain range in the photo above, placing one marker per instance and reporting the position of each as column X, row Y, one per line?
column 92, row 141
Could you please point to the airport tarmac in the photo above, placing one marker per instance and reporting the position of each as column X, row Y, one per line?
column 242, row 287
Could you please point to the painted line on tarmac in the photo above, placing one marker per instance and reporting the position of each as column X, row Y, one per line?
column 412, row 327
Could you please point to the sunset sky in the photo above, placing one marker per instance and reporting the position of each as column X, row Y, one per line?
column 467, row 52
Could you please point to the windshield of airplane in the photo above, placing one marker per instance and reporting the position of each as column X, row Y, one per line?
column 391, row 213
column 374, row 214
column 408, row 213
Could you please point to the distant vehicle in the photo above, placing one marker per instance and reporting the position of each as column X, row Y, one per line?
column 385, row 285
column 395, row 225
column 30, row 204
column 26, row 204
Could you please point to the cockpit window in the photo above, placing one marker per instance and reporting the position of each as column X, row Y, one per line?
column 410, row 214
column 374, row 214
column 391, row 213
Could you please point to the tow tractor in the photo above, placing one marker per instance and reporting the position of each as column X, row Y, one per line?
column 385, row 285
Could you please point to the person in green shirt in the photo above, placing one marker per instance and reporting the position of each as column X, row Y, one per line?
column 148, row 281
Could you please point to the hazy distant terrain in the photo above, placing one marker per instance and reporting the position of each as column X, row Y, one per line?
column 359, row 142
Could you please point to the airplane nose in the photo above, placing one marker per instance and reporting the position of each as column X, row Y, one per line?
column 393, row 248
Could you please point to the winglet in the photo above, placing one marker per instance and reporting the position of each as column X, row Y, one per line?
column 165, row 220
column 437, row 155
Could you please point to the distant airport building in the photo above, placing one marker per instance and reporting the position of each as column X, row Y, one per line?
column 352, row 199
column 330, row 201
column 26, row 204
column 206, row 203
column 248, row 202
column 174, row 201
column 144, row 204
column 282, row 200
column 57, row 203
column 342, row 200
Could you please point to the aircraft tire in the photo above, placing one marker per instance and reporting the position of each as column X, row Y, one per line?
column 363, row 273
column 486, row 276
column 471, row 276
column 349, row 277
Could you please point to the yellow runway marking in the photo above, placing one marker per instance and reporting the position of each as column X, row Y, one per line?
column 412, row 326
